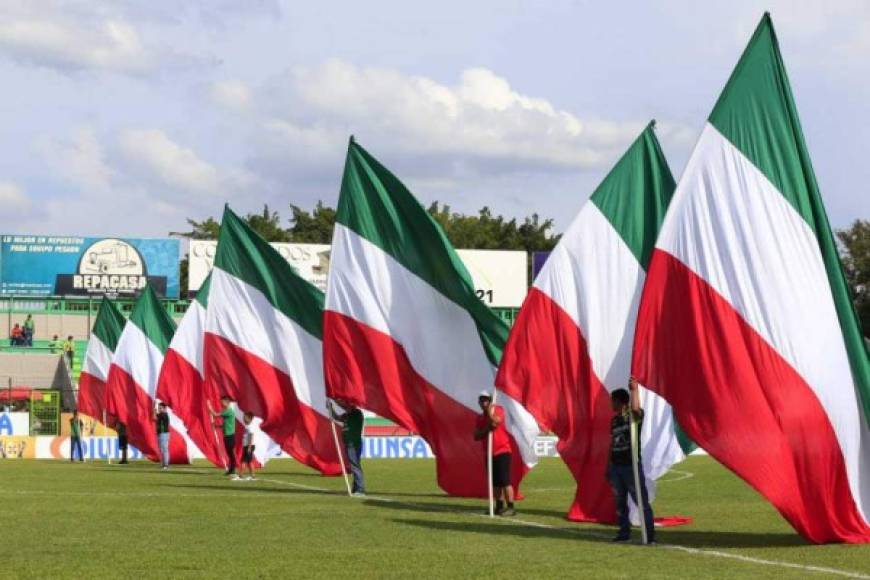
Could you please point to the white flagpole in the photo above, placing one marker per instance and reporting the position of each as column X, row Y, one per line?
column 106, row 435
column 635, row 468
column 489, row 463
column 338, row 448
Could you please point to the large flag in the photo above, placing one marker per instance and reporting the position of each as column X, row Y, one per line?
column 571, row 344
column 181, row 386
column 132, row 382
column 98, row 358
column 404, row 334
column 263, row 347
column 746, row 325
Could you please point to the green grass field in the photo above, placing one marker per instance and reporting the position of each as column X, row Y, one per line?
column 96, row 520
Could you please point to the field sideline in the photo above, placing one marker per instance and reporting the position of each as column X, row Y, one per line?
column 96, row 521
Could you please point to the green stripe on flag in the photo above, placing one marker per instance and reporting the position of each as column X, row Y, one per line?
column 109, row 324
column 152, row 319
column 635, row 194
column 377, row 206
column 242, row 253
column 202, row 293
column 757, row 114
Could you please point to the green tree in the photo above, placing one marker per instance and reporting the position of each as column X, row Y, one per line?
column 855, row 253
column 312, row 227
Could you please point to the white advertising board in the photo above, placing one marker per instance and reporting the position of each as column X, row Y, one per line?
column 500, row 277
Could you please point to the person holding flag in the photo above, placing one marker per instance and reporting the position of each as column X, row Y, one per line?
column 351, row 432
column 627, row 477
column 491, row 420
column 228, row 418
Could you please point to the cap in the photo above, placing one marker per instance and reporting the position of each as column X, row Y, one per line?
column 484, row 394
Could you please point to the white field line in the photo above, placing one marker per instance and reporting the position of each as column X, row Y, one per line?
column 680, row 476
column 590, row 533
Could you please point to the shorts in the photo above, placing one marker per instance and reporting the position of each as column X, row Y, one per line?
column 248, row 454
column 501, row 470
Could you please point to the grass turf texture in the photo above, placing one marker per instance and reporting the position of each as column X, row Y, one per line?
column 95, row 520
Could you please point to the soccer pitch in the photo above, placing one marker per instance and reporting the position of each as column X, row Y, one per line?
column 96, row 520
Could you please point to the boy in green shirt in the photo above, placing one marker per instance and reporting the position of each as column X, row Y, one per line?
column 228, row 418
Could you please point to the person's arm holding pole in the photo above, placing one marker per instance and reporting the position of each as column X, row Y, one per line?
column 214, row 431
column 635, row 453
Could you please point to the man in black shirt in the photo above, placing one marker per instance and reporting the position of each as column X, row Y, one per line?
column 620, row 471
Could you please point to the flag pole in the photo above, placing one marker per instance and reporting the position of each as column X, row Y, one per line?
column 106, row 435
column 338, row 447
column 489, row 464
column 635, row 452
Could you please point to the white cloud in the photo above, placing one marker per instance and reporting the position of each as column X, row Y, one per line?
column 13, row 201
column 157, row 158
column 231, row 94
column 480, row 124
column 69, row 36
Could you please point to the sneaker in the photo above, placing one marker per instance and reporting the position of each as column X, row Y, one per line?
column 621, row 539
column 165, row 468
column 248, row 478
column 508, row 512
column 235, row 477
column 358, row 494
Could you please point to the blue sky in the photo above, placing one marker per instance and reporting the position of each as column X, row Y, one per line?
column 124, row 118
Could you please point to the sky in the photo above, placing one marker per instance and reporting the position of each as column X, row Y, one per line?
column 125, row 118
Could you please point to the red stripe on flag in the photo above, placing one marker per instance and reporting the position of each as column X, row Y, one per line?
column 180, row 386
column 131, row 405
column 369, row 368
column 546, row 367
column 742, row 402
column 268, row 393
column 92, row 396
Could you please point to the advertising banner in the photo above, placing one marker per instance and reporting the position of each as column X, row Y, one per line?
column 15, row 424
column 90, row 426
column 500, row 277
column 17, row 447
column 93, row 448
column 76, row 266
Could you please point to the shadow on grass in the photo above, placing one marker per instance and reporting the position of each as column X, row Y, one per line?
column 503, row 529
column 247, row 487
column 711, row 540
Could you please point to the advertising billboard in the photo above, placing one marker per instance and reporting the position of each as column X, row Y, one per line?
column 81, row 266
column 500, row 277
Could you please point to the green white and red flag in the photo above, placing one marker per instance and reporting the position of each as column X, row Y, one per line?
column 132, row 382
column 570, row 346
column 405, row 336
column 98, row 358
column 746, row 326
column 263, row 347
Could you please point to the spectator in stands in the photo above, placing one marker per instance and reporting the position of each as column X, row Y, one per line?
column 56, row 345
column 29, row 330
column 351, row 431
column 121, row 429
column 228, row 418
column 75, row 437
column 16, row 336
column 69, row 349
column 161, row 418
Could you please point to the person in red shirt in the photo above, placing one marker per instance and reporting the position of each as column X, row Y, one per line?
column 491, row 420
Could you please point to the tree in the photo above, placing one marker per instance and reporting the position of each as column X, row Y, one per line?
column 312, row 228
column 855, row 253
